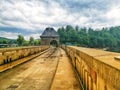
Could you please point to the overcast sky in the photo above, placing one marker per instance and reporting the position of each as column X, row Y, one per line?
column 31, row 17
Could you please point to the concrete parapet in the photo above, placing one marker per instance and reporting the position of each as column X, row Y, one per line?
column 11, row 55
column 98, row 69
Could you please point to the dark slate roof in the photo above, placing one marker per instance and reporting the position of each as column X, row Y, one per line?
column 49, row 32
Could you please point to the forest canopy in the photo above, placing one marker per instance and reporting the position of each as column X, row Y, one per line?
column 105, row 38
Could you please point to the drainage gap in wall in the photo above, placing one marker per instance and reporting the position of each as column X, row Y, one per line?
column 4, row 61
column 10, row 59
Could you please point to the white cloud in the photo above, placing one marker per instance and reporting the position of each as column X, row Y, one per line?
column 9, row 35
column 114, row 13
column 35, row 36
column 36, row 15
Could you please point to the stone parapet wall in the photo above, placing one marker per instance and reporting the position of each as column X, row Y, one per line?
column 98, row 69
column 10, row 55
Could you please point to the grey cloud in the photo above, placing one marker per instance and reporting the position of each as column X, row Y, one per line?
column 78, row 5
column 86, row 7
column 34, row 14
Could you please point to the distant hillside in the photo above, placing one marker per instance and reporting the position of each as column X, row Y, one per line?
column 6, row 40
column 2, row 38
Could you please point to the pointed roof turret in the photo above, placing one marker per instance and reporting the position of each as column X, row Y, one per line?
column 49, row 32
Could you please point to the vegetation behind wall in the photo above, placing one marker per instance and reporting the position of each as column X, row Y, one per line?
column 105, row 38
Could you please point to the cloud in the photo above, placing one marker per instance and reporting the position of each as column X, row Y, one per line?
column 12, row 35
column 35, row 36
column 35, row 15
column 9, row 35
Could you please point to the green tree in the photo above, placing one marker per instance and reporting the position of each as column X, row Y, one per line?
column 5, row 41
column 69, row 28
column 37, row 42
column 20, row 40
column 26, row 43
column 77, row 28
column 97, row 38
column 31, row 41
